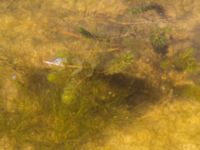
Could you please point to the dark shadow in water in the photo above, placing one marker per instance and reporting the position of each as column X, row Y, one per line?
column 138, row 91
column 95, row 115
column 195, row 40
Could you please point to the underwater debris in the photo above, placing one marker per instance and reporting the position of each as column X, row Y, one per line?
column 14, row 77
column 56, row 62
column 86, row 33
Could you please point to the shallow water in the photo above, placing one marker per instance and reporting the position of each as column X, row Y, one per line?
column 113, row 91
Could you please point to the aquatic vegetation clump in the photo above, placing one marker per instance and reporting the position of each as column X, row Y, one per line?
column 159, row 41
column 182, row 61
column 148, row 7
column 69, row 70
column 119, row 64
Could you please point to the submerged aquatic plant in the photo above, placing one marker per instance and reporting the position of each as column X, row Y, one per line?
column 182, row 61
column 91, row 86
column 159, row 41
column 148, row 7
column 119, row 64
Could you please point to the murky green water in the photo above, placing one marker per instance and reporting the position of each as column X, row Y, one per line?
column 99, row 75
